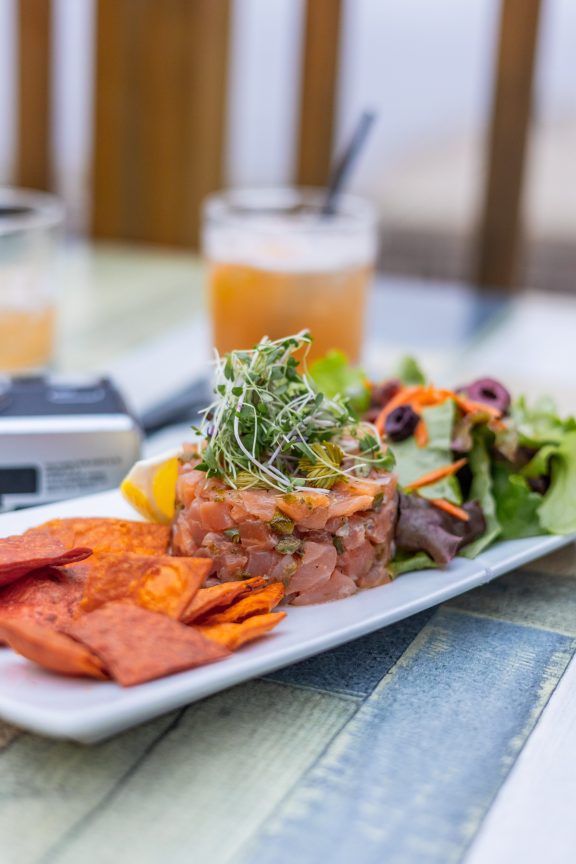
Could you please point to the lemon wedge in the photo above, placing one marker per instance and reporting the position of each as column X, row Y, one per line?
column 150, row 487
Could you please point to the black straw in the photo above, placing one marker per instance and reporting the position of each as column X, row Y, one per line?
column 343, row 165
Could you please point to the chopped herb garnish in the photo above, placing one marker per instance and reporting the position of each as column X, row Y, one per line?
column 282, row 524
column 270, row 427
column 338, row 544
column 288, row 545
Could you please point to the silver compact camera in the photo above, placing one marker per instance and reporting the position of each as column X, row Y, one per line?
column 60, row 438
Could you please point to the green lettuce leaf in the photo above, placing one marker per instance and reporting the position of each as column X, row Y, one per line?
column 482, row 491
column 517, row 505
column 557, row 511
column 413, row 461
column 409, row 372
column 405, row 562
column 540, row 423
column 334, row 375
column 540, row 462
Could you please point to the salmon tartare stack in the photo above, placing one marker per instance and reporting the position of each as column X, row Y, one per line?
column 287, row 484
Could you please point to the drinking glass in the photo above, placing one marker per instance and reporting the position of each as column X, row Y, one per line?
column 30, row 224
column 278, row 265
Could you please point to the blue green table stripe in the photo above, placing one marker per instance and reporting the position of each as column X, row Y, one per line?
column 356, row 668
column 412, row 774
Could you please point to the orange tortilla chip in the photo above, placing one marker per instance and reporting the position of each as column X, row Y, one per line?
column 161, row 583
column 49, row 596
column 109, row 535
column 55, row 651
column 137, row 645
column 232, row 636
column 255, row 603
column 23, row 553
column 219, row 597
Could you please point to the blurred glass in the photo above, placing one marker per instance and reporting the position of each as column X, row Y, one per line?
column 277, row 265
column 30, row 226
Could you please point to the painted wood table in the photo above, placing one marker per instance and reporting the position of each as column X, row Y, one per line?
column 448, row 737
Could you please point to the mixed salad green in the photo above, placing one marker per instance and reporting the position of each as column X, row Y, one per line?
column 474, row 465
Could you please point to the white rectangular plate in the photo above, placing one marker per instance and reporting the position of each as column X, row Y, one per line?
column 88, row 711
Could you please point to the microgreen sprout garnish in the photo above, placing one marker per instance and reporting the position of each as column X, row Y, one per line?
column 270, row 427
column 288, row 545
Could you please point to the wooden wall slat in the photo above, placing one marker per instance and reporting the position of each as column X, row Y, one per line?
column 318, row 90
column 160, row 106
column 159, row 137
column 501, row 218
column 207, row 99
column 34, row 75
column 112, row 87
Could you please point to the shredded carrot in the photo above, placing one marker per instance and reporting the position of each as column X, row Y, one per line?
column 401, row 398
column 438, row 474
column 417, row 397
column 498, row 425
column 430, row 396
column 468, row 406
column 421, row 434
column 427, row 396
column 452, row 509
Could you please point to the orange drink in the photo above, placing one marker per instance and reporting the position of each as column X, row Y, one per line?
column 26, row 338
column 29, row 226
column 277, row 266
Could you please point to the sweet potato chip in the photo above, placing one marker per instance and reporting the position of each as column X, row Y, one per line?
column 161, row 583
column 55, row 651
column 109, row 535
column 23, row 553
column 232, row 636
column 255, row 603
column 219, row 597
column 137, row 645
column 49, row 596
